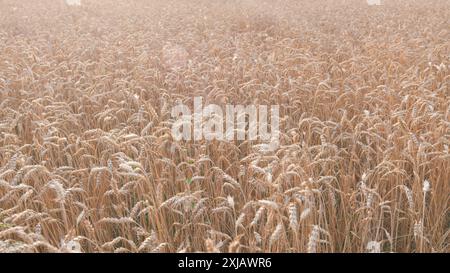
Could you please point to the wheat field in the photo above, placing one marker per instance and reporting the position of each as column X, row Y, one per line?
column 88, row 162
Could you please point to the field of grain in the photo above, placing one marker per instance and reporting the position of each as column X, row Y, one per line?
column 88, row 162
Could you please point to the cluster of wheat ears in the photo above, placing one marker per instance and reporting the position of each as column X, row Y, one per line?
column 88, row 162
